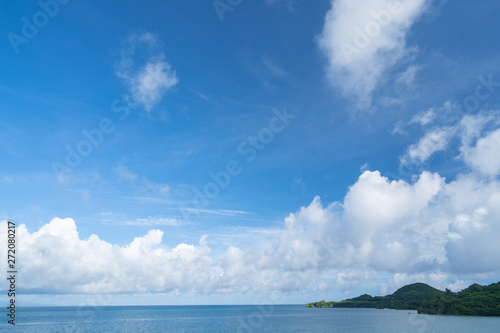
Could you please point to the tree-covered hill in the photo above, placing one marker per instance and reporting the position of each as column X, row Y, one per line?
column 474, row 301
column 409, row 297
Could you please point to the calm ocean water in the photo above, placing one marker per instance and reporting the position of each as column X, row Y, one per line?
column 268, row 318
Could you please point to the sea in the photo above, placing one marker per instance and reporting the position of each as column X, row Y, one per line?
column 235, row 319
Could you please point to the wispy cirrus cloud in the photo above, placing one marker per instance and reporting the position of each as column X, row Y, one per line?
column 150, row 221
column 222, row 212
column 147, row 80
column 446, row 114
column 123, row 173
column 431, row 143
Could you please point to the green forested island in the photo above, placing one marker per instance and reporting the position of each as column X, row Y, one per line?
column 474, row 301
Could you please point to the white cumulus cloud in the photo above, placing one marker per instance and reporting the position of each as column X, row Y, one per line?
column 56, row 259
column 485, row 155
column 428, row 230
column 149, row 79
column 363, row 39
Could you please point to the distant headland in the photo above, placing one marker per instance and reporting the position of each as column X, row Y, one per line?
column 476, row 300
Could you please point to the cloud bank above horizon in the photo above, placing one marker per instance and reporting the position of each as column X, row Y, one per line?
column 430, row 230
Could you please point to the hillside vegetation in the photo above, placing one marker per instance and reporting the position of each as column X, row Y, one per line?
column 409, row 297
column 474, row 301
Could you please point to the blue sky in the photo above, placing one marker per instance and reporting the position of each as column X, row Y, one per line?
column 366, row 131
